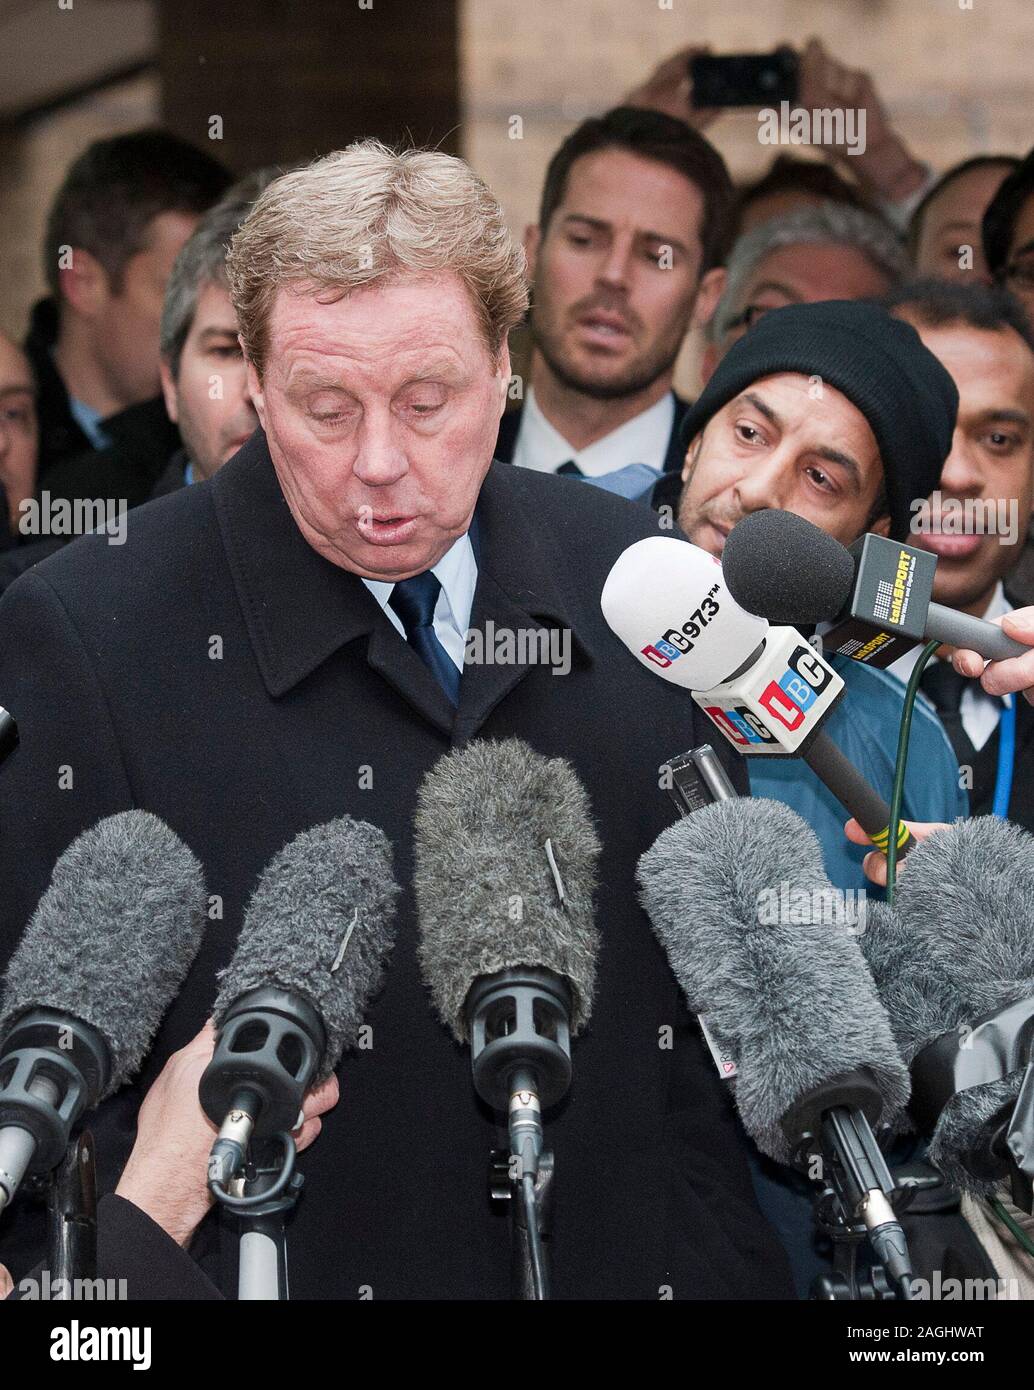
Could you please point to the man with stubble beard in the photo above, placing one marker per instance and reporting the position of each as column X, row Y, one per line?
column 623, row 260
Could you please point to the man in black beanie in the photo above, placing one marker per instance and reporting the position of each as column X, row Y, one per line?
column 839, row 413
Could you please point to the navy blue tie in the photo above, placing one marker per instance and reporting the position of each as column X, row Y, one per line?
column 414, row 601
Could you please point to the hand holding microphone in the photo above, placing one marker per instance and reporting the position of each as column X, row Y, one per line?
column 165, row 1175
column 1014, row 674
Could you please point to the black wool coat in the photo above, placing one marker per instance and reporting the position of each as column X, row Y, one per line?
column 106, row 663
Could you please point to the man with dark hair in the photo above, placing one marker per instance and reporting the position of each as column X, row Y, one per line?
column 625, row 256
column 789, row 184
column 977, row 520
column 119, row 219
column 944, row 231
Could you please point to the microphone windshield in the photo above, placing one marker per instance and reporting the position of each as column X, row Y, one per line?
column 957, row 946
column 969, row 894
column 668, row 602
column 485, row 889
column 113, row 936
column 781, row 566
column 320, row 924
column 764, row 949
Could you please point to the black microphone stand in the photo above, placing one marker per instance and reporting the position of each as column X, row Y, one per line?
column 72, row 1217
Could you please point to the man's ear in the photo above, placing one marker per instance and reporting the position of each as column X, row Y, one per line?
column 258, row 398
column 503, row 373
column 84, row 283
column 532, row 242
column 708, row 362
column 168, row 390
column 691, row 455
column 709, row 292
column 880, row 527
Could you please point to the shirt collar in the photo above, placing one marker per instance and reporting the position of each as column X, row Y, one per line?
column 457, row 572
column 643, row 439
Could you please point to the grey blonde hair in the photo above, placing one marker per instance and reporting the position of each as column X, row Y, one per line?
column 369, row 213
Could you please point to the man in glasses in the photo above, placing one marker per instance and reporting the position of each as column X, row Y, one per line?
column 827, row 252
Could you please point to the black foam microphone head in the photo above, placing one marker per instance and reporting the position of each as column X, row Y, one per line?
column 113, row 936
column 320, row 924
column 485, row 891
column 783, row 568
column 795, row 1002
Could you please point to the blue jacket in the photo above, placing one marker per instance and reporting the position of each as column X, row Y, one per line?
column 864, row 726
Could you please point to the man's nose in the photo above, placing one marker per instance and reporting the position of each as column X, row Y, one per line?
column 961, row 475
column 765, row 482
column 379, row 460
column 615, row 268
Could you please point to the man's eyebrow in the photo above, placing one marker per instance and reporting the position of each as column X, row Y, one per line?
column 778, row 286
column 762, row 407
column 844, row 461
column 643, row 233
column 17, row 390
column 1004, row 414
column 1022, row 250
column 960, row 225
column 216, row 331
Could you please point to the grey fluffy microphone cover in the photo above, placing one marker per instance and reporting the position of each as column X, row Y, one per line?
column 795, row 1002
column 486, row 894
column 320, row 924
column 113, row 936
column 958, row 945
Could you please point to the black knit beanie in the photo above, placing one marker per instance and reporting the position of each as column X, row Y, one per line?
column 878, row 362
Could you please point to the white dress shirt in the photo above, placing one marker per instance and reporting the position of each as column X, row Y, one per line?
column 979, row 711
column 457, row 572
column 643, row 439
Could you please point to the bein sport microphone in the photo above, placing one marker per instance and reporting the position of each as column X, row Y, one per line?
column 765, row 688
column 506, row 857
column 778, row 564
column 103, row 956
column 311, row 954
column 816, row 1064
column 954, row 964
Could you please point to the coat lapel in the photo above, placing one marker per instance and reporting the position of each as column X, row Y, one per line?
column 301, row 610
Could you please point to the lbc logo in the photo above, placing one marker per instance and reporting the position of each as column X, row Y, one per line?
column 790, row 698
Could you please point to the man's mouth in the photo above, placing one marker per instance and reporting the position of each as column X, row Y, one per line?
column 386, row 530
column 950, row 547
column 604, row 327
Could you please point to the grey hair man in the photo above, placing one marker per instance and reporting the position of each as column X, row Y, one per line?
column 203, row 373
column 827, row 252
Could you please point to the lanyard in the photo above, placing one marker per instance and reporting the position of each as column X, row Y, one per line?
column 1006, row 758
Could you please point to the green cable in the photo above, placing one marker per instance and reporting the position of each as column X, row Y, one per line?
column 1017, row 1231
column 898, row 793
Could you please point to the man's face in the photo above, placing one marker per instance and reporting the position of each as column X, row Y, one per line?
column 209, row 398
column 991, row 459
column 381, row 410
column 777, row 445
column 18, row 430
column 1020, row 266
column 951, row 223
column 804, row 274
column 126, row 323
column 615, row 275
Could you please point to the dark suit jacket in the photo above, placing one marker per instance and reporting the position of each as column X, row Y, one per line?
column 510, row 424
column 105, row 662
